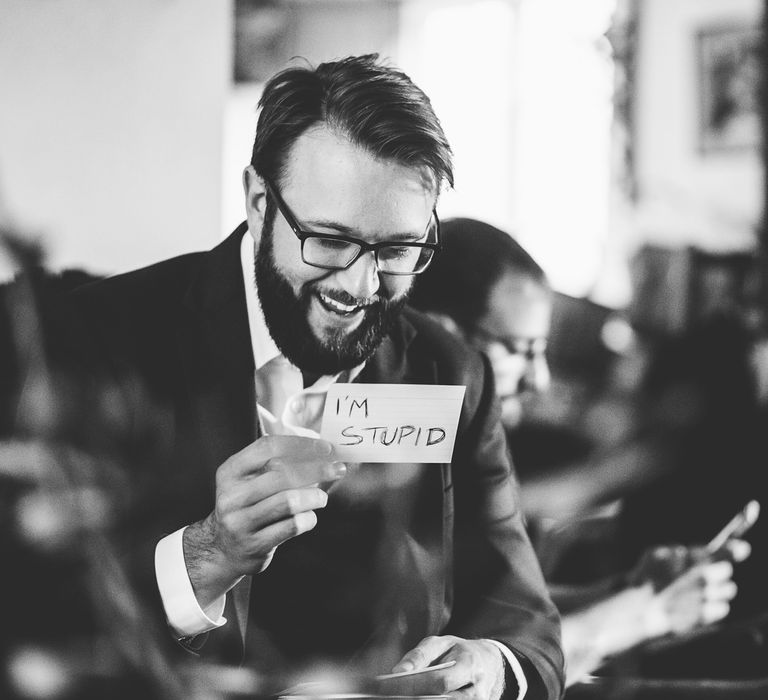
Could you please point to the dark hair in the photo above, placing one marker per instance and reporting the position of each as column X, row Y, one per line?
column 375, row 106
column 475, row 256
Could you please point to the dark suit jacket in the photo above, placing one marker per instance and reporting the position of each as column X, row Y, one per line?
column 450, row 556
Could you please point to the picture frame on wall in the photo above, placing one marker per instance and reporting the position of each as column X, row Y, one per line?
column 260, row 33
column 729, row 66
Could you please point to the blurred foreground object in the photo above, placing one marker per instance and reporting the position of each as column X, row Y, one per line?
column 72, row 627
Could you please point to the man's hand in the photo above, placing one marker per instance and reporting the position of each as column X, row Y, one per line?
column 478, row 673
column 660, row 566
column 265, row 494
column 700, row 596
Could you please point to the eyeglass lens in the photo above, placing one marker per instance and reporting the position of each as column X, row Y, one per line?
column 392, row 259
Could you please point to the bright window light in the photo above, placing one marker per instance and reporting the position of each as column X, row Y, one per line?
column 524, row 90
column 563, row 137
column 461, row 52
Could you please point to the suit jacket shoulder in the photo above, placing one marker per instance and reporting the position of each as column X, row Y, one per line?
column 454, row 361
column 495, row 588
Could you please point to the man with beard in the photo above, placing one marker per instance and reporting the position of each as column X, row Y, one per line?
column 487, row 288
column 394, row 566
column 490, row 291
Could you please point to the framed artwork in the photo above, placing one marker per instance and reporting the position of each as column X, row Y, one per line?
column 260, row 31
column 729, row 66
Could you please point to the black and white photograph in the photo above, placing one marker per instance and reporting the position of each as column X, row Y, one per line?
column 383, row 350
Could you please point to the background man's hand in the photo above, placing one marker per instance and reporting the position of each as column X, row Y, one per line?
column 691, row 586
column 699, row 596
column 660, row 566
column 265, row 494
column 478, row 673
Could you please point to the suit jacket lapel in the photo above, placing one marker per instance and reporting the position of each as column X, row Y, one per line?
column 390, row 363
column 427, row 536
column 215, row 347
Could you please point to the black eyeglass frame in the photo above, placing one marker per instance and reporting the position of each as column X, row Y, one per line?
column 302, row 235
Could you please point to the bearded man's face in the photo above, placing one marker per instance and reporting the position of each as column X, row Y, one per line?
column 323, row 320
column 287, row 314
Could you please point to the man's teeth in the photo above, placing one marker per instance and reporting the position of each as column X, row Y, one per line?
column 338, row 306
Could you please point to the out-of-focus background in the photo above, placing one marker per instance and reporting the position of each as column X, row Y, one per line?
column 622, row 143
column 587, row 128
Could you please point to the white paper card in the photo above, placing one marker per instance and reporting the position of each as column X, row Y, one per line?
column 392, row 422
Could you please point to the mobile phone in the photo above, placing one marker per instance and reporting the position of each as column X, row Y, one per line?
column 736, row 527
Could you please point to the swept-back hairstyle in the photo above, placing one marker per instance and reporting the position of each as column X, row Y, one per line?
column 372, row 104
column 475, row 256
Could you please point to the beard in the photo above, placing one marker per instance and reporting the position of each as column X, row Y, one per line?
column 286, row 315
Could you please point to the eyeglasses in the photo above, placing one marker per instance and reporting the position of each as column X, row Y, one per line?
column 332, row 252
column 528, row 348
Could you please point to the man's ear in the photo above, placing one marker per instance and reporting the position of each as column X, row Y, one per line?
column 255, row 200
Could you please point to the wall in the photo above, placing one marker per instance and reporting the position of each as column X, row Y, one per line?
column 110, row 126
column 125, row 139
column 686, row 196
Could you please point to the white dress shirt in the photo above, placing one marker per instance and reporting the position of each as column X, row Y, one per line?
column 284, row 407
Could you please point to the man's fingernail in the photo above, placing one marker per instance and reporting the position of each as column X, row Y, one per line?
column 740, row 550
column 338, row 469
column 323, row 447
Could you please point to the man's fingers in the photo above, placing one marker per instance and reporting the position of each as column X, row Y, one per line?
column 712, row 611
column 706, row 578
column 737, row 550
column 254, row 457
column 266, row 494
column 274, row 535
column 285, row 504
column 424, row 653
column 251, row 490
column 435, row 680
column 238, row 491
column 468, row 693
column 449, row 665
column 716, row 572
column 279, row 506
column 718, row 583
column 462, row 675
column 293, row 473
column 722, row 591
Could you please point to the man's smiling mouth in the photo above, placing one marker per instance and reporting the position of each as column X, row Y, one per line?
column 338, row 307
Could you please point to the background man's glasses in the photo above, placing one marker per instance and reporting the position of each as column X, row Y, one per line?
column 528, row 348
column 331, row 252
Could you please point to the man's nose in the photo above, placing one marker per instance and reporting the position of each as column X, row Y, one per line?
column 536, row 376
column 361, row 279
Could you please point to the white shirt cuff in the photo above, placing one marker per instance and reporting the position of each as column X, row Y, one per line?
column 185, row 616
column 517, row 668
